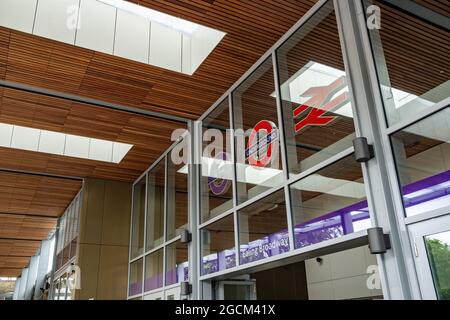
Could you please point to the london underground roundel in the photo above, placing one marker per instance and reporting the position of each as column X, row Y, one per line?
column 219, row 186
column 261, row 143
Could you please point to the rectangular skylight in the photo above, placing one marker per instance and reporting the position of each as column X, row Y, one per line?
column 153, row 15
column 30, row 139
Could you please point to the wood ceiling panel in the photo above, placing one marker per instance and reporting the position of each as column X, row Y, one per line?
column 38, row 195
column 25, row 227
column 150, row 136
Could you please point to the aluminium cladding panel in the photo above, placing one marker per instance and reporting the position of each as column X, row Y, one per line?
column 56, row 20
column 96, row 27
column 18, row 15
column 132, row 39
column 165, row 47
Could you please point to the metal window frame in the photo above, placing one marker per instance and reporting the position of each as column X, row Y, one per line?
column 398, row 275
column 166, row 242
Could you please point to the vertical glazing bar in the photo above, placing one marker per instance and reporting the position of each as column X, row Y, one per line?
column 166, row 195
column 392, row 267
column 144, row 249
column 234, row 182
column 283, row 150
column 193, row 211
column 131, row 239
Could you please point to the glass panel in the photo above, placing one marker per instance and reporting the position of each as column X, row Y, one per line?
column 316, row 104
column 217, row 167
column 155, row 206
column 62, row 288
column 218, row 252
column 154, row 271
column 329, row 203
column 438, row 249
column 412, row 57
column 135, row 284
column 177, row 192
column 137, row 229
column 258, row 163
column 263, row 229
column 70, row 287
column 177, row 265
column 56, row 292
column 422, row 156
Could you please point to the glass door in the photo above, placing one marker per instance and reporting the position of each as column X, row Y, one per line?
column 236, row 290
column 431, row 247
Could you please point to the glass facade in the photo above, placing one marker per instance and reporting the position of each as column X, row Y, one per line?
column 263, row 230
column 316, row 102
column 154, row 271
column 137, row 219
column 155, row 205
column 217, row 165
column 422, row 156
column 160, row 203
column 330, row 203
column 278, row 176
column 412, row 56
column 257, row 148
column 217, row 246
column 68, row 232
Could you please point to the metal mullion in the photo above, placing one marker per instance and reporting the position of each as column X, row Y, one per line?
column 216, row 218
column 234, row 179
column 130, row 242
column 166, row 194
column 145, row 233
column 282, row 141
column 395, row 266
column 137, row 258
column 307, row 251
column 196, row 172
column 153, row 250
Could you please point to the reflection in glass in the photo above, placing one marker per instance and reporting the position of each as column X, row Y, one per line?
column 422, row 156
column 177, row 193
column 258, row 162
column 154, row 271
column 217, row 245
column 316, row 103
column 438, row 249
column 135, row 282
column 263, row 229
column 137, row 228
column 217, row 167
column 329, row 203
column 177, row 267
column 155, row 205
column 412, row 59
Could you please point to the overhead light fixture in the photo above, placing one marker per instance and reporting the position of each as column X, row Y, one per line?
column 153, row 15
column 31, row 139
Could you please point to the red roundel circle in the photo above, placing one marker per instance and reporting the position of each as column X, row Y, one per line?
column 260, row 143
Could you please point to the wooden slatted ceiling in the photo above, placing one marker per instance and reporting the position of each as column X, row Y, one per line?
column 38, row 195
column 149, row 136
column 29, row 206
column 251, row 27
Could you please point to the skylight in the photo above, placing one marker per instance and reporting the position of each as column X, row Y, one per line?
column 116, row 27
column 30, row 139
column 184, row 26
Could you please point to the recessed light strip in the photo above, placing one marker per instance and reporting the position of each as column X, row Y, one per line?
column 31, row 139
